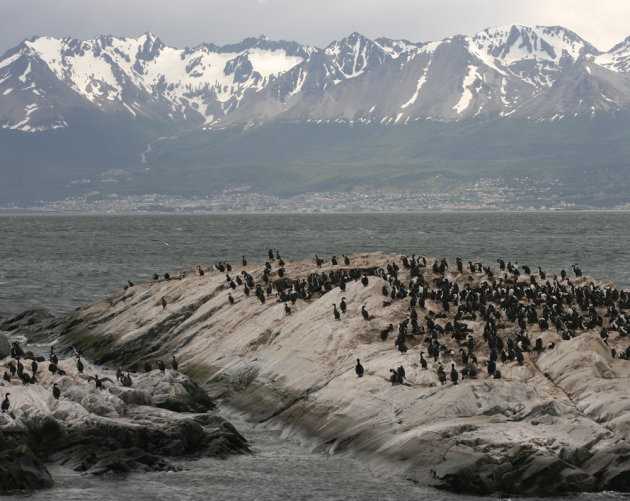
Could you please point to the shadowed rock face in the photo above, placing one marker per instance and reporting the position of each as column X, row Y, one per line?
column 556, row 421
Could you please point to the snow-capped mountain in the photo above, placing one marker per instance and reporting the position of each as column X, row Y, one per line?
column 532, row 72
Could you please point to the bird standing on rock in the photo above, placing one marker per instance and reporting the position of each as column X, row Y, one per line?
column 174, row 363
column 99, row 382
column 336, row 312
column 79, row 365
column 365, row 313
column 359, row 368
column 454, row 374
column 56, row 391
column 342, row 305
column 161, row 366
column 5, row 403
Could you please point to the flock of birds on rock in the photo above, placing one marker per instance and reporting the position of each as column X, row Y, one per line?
column 441, row 304
column 469, row 316
column 15, row 369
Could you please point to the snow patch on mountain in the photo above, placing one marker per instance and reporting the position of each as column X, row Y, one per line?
column 467, row 95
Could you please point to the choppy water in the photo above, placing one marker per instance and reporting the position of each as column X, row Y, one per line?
column 61, row 262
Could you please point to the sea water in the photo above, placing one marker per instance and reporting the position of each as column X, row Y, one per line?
column 61, row 262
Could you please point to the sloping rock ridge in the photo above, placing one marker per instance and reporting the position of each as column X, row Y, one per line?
column 477, row 379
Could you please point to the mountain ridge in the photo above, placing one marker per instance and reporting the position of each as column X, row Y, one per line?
column 497, row 71
column 283, row 118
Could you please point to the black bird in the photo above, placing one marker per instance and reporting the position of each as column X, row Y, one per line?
column 359, row 369
column 161, row 366
column 287, row 309
column 342, row 305
column 270, row 254
column 318, row 261
column 79, row 365
column 53, row 358
column 454, row 374
column 34, row 366
column 364, row 312
column 6, row 376
column 5, row 403
column 56, row 391
column 230, row 298
column 336, row 312
column 333, row 260
column 364, row 280
column 441, row 375
column 53, row 368
column 99, row 382
column 200, row 271
column 244, row 261
column 394, row 378
column 346, row 260
column 174, row 363
column 423, row 362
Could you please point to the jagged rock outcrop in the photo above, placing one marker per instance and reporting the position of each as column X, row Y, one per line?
column 555, row 421
column 116, row 429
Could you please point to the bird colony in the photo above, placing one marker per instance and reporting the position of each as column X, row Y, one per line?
column 471, row 377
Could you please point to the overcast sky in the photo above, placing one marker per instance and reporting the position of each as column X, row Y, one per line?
column 182, row 23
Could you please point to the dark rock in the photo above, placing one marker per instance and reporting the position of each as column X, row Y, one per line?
column 20, row 469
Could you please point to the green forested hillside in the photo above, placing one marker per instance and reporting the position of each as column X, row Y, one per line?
column 584, row 159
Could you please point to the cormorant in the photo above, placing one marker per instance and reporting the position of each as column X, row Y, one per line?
column 230, row 298
column 342, row 305
column 359, row 369
column 5, row 403
column 346, row 260
column 244, row 261
column 56, row 391
column 364, row 312
column 79, row 365
column 99, row 382
column 174, row 363
column 6, row 376
column 423, row 362
column 53, row 358
column 336, row 312
column 163, row 301
column 287, row 309
column 454, row 374
column 160, row 365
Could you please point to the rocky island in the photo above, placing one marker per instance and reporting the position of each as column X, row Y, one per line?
column 468, row 377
